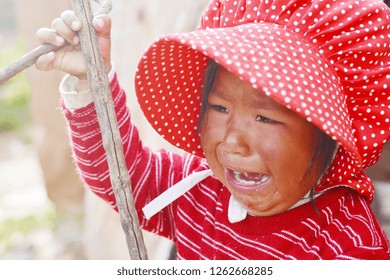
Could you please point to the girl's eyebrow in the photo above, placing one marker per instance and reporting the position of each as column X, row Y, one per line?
column 262, row 100
column 267, row 102
column 216, row 91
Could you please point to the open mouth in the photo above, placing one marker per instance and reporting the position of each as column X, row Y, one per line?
column 246, row 180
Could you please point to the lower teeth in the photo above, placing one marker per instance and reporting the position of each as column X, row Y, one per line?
column 241, row 178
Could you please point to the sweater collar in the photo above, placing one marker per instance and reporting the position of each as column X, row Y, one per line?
column 236, row 212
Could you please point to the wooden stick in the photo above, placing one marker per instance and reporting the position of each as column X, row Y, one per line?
column 105, row 7
column 110, row 132
column 24, row 62
column 31, row 57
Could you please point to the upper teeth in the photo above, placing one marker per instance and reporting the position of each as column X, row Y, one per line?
column 243, row 178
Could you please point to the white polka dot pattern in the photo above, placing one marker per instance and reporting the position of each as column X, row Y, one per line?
column 326, row 60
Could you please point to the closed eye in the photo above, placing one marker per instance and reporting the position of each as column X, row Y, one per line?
column 265, row 120
column 219, row 108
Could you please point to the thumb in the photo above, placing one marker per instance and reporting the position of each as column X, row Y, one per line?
column 102, row 25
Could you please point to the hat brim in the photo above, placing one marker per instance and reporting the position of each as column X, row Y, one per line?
column 275, row 61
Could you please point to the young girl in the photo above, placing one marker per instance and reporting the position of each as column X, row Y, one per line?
column 278, row 105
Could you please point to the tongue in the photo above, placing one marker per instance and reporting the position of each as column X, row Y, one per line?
column 251, row 176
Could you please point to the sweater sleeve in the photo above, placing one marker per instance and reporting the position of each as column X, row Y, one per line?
column 150, row 173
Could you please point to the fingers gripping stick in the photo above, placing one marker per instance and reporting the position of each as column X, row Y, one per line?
column 31, row 57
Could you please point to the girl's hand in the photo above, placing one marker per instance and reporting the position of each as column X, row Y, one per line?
column 69, row 59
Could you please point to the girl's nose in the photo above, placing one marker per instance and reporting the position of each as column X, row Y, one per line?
column 236, row 140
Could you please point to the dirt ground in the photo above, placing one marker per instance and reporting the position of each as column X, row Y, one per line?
column 31, row 227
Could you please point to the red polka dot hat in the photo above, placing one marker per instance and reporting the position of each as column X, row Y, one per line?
column 327, row 60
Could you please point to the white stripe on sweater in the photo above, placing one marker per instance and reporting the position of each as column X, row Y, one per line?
column 174, row 192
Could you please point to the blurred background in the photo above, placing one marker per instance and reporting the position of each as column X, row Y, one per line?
column 45, row 211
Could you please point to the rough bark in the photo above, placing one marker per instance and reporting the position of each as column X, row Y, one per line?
column 112, row 142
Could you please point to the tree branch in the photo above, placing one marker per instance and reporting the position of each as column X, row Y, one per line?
column 110, row 132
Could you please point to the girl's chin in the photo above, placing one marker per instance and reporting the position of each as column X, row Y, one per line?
column 269, row 208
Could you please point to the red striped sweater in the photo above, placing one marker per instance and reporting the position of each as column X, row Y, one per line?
column 344, row 228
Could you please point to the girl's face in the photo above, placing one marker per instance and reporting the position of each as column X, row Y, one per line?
column 257, row 148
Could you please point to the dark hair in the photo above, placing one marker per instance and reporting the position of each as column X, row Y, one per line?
column 323, row 152
column 208, row 82
column 324, row 146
